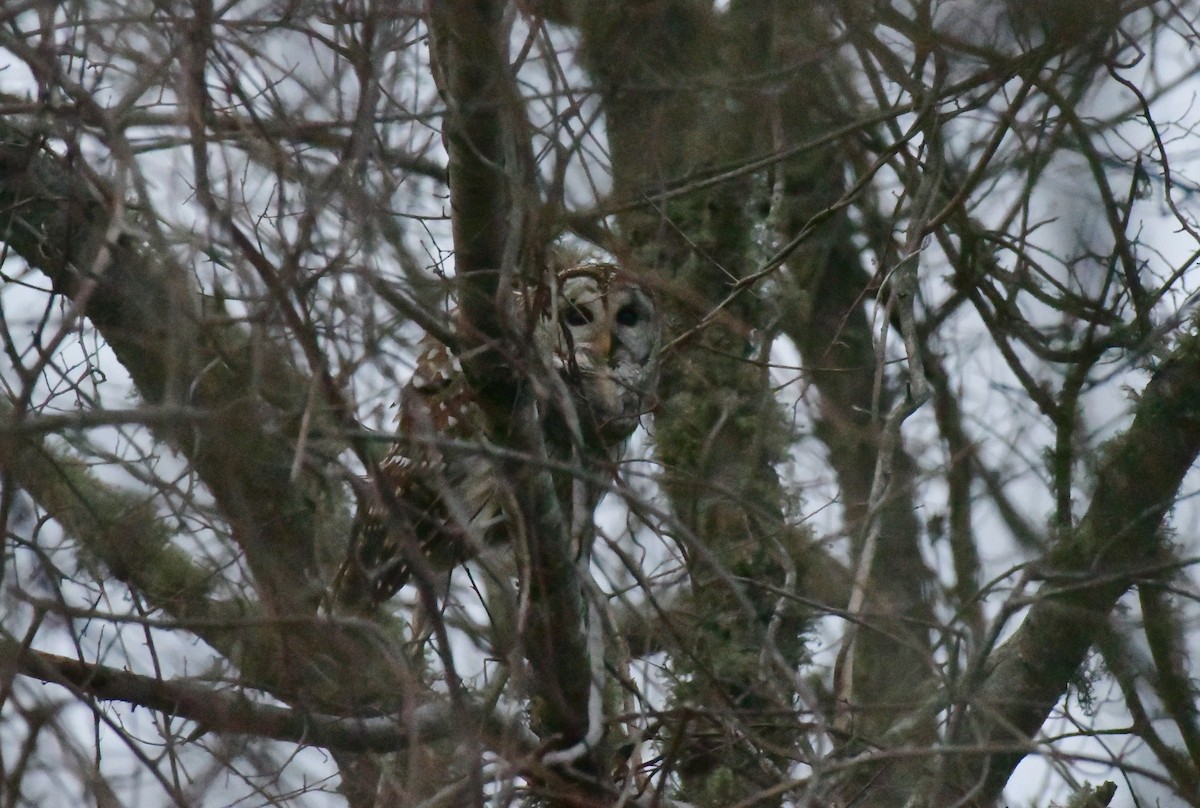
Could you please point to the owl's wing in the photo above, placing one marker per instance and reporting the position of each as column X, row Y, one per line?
column 436, row 494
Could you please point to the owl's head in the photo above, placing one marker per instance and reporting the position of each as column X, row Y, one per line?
column 603, row 332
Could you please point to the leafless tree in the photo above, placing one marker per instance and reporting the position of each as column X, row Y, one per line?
column 913, row 507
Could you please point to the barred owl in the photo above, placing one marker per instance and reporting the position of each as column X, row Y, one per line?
column 444, row 498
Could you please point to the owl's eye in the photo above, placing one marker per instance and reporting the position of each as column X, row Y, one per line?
column 628, row 315
column 576, row 316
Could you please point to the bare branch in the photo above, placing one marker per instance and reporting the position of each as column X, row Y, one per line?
column 1090, row 568
column 230, row 711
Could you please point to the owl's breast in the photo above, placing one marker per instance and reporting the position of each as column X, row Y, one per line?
column 616, row 396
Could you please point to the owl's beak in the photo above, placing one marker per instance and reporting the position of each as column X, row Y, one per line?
column 603, row 347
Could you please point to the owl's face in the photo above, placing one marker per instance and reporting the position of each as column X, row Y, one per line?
column 603, row 332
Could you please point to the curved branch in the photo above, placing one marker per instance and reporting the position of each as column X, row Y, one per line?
column 1118, row 539
column 248, row 403
column 122, row 530
column 231, row 711
column 152, row 316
